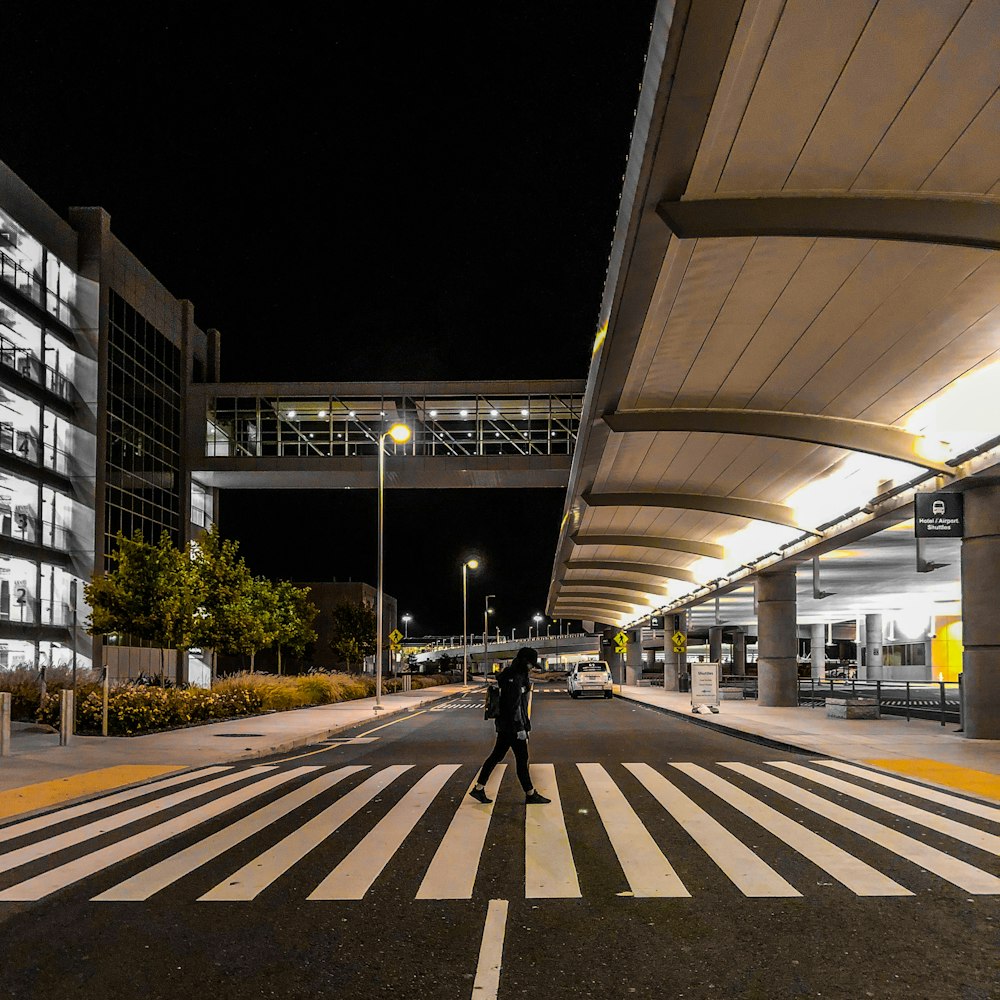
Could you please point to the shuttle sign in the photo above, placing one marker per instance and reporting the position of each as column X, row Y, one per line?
column 938, row 515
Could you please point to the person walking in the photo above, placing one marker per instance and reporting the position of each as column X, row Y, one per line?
column 513, row 725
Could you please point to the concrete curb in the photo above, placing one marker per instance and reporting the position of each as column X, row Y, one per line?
column 742, row 734
column 253, row 754
column 325, row 734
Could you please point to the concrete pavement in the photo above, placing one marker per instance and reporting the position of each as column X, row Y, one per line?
column 920, row 748
column 40, row 773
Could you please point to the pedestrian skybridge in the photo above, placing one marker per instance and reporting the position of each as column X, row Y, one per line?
column 322, row 435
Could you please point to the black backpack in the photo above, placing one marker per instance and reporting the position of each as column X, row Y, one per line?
column 491, row 707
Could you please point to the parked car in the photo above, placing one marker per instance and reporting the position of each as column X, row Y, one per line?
column 591, row 677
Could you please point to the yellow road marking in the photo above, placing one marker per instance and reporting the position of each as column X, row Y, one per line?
column 965, row 779
column 309, row 753
column 394, row 721
column 47, row 793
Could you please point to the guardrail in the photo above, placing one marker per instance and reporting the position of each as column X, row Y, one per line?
column 912, row 699
column 476, row 641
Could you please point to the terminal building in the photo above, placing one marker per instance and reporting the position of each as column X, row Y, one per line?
column 799, row 347
column 95, row 355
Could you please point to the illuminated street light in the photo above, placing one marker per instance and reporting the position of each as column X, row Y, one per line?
column 406, row 619
column 538, row 619
column 466, row 566
column 400, row 433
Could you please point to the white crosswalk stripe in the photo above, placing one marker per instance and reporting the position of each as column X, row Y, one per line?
column 452, row 873
column 954, row 870
column 648, row 872
column 549, row 871
column 36, row 823
column 152, row 880
column 73, row 871
column 42, row 848
column 747, row 872
column 258, row 874
column 646, row 856
column 846, row 869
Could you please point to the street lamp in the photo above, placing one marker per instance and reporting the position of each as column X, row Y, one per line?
column 406, row 625
column 487, row 611
column 466, row 566
column 538, row 619
column 399, row 433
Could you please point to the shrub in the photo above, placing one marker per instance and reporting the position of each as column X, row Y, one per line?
column 135, row 708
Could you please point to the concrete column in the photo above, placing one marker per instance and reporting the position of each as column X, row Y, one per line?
column 673, row 663
column 739, row 652
column 873, row 647
column 817, row 651
column 777, row 643
column 715, row 644
column 633, row 658
column 980, row 621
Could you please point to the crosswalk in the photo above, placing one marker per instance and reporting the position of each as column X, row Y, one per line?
column 874, row 834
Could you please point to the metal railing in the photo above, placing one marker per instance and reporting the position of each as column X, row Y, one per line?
column 25, row 363
column 939, row 700
column 22, row 279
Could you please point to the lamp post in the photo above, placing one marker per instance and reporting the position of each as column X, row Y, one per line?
column 466, row 566
column 538, row 619
column 399, row 433
column 406, row 625
column 487, row 611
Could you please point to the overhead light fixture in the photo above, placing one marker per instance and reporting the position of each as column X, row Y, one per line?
column 433, row 413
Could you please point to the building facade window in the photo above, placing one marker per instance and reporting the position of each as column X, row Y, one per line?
column 143, row 428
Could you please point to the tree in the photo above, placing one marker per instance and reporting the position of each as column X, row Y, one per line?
column 227, row 600
column 151, row 593
column 294, row 615
column 352, row 631
column 257, row 618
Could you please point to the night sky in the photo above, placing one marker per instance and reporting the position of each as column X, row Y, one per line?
column 370, row 191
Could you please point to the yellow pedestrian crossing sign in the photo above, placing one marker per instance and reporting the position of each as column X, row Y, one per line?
column 679, row 640
column 621, row 643
column 394, row 636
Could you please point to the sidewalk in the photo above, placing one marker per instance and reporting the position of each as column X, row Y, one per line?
column 920, row 749
column 40, row 773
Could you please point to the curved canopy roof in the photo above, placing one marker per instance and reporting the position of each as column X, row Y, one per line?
column 802, row 305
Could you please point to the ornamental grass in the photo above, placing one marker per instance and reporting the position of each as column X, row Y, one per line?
column 135, row 709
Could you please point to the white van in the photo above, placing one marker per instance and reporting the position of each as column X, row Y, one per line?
column 591, row 677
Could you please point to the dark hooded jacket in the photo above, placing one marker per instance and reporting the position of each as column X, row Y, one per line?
column 515, row 687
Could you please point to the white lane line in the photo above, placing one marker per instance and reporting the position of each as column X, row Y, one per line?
column 919, row 791
column 950, row 828
column 452, row 872
column 860, row 878
column 549, row 871
column 487, row 982
column 43, row 848
column 95, row 805
column 255, row 876
column 144, row 884
column 356, row 874
column 752, row 876
column 648, row 872
column 73, row 871
column 965, row 876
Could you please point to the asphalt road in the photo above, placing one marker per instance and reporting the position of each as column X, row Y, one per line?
column 677, row 876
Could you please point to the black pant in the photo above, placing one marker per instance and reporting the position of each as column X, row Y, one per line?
column 508, row 741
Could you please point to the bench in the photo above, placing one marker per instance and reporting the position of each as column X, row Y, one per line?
column 852, row 708
column 730, row 693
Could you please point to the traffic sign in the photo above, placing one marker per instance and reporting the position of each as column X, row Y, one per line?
column 394, row 636
column 679, row 640
column 621, row 643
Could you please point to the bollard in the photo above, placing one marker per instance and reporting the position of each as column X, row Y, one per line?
column 66, row 717
column 104, row 701
column 5, row 710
